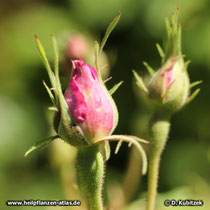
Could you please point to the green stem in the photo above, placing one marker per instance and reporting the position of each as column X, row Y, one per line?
column 90, row 175
column 160, row 125
column 133, row 175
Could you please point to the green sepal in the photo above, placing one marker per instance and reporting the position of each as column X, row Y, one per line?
column 106, row 80
column 130, row 139
column 167, row 92
column 191, row 97
column 97, row 57
column 41, row 144
column 149, row 68
column 119, row 144
column 168, row 27
column 173, row 43
column 140, row 83
column 71, row 134
column 64, row 109
column 187, row 63
column 50, row 93
column 46, row 63
column 98, row 50
column 56, row 56
column 116, row 115
column 115, row 87
column 195, row 83
column 108, row 31
column 105, row 150
column 53, row 108
column 161, row 52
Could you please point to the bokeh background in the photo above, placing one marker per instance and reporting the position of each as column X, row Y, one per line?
column 24, row 116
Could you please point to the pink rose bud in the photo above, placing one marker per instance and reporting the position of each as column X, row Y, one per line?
column 89, row 102
column 170, row 84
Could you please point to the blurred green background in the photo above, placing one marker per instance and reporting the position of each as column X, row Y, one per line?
column 24, row 117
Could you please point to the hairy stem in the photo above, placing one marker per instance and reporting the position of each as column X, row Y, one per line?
column 90, row 175
column 160, row 126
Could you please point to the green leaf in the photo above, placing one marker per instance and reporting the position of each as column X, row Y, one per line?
column 41, row 143
column 195, row 83
column 140, row 82
column 113, row 89
column 50, row 93
column 149, row 68
column 108, row 31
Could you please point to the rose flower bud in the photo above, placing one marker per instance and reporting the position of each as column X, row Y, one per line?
column 169, row 87
column 90, row 104
column 170, row 84
column 86, row 114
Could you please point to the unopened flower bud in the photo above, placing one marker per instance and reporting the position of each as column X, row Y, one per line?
column 170, row 84
column 89, row 103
